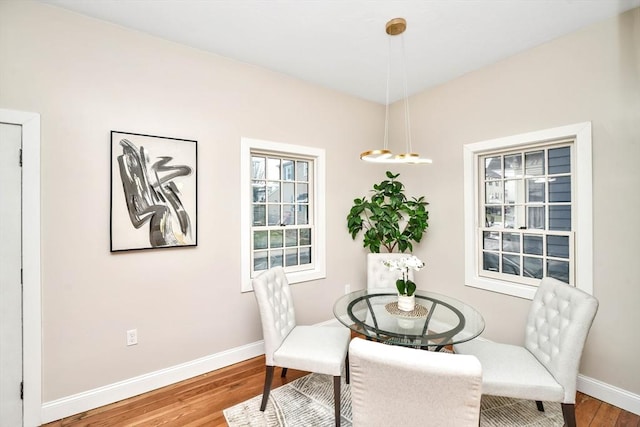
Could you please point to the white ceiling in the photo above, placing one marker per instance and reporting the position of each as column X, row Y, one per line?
column 342, row 44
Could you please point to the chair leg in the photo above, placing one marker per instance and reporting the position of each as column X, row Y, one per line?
column 540, row 406
column 569, row 414
column 283, row 373
column 346, row 369
column 267, row 387
column 336, row 398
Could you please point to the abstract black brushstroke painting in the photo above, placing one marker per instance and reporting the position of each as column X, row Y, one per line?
column 153, row 192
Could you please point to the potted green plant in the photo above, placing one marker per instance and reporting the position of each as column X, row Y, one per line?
column 388, row 218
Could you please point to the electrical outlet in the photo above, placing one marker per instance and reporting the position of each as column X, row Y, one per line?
column 347, row 288
column 132, row 337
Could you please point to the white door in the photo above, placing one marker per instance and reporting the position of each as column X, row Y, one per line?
column 10, row 276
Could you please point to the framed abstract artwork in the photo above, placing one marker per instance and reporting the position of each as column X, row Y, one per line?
column 154, row 199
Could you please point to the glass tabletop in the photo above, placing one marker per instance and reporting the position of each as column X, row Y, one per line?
column 437, row 320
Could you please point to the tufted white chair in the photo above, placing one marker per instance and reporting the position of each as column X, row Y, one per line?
column 320, row 349
column 379, row 276
column 400, row 386
column 546, row 368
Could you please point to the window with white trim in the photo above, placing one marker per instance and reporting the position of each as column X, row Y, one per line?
column 282, row 210
column 528, row 210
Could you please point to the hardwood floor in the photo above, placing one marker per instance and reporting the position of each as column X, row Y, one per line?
column 200, row 401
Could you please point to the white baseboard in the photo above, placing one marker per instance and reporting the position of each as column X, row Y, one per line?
column 610, row 394
column 74, row 404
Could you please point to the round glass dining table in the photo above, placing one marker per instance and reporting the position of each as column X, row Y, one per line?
column 436, row 321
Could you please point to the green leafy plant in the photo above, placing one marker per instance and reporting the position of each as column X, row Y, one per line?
column 389, row 219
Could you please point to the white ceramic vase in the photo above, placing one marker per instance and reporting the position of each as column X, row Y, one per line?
column 406, row 303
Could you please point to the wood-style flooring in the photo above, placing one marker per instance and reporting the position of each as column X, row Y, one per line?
column 200, row 401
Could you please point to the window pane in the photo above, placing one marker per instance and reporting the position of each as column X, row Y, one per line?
column 288, row 214
column 513, row 191
column 275, row 239
column 257, row 167
column 493, row 192
column 513, row 166
column 273, row 169
column 558, row 270
column 493, row 167
column 288, row 193
column 302, row 194
column 305, row 236
column 490, row 261
column 291, row 237
column 260, row 260
column 260, row 240
column 511, row 264
column 513, row 216
column 302, row 171
column 560, row 160
column 532, row 244
column 532, row 267
column 259, row 192
column 305, row 255
column 534, row 163
column 535, row 190
column 560, row 189
column 275, row 258
column 491, row 240
column 274, row 215
column 558, row 246
column 511, row 242
column 259, row 215
column 287, row 170
column 535, row 217
column 493, row 216
column 303, row 214
column 273, row 188
column 560, row 218
column 291, row 257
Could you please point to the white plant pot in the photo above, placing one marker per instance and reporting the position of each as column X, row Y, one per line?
column 406, row 303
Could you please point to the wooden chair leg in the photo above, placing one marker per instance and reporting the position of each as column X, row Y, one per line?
column 336, row 398
column 267, row 387
column 540, row 406
column 346, row 369
column 569, row 414
column 283, row 373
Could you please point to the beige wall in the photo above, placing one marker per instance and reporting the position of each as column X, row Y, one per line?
column 86, row 78
column 591, row 75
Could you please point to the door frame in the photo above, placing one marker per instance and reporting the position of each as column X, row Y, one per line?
column 32, row 292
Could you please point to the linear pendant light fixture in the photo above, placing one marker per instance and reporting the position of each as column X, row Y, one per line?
column 395, row 27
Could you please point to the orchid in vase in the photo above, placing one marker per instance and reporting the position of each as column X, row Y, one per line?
column 405, row 286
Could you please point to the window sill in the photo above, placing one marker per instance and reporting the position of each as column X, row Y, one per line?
column 503, row 287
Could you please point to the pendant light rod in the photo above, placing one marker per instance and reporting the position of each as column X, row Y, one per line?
column 394, row 27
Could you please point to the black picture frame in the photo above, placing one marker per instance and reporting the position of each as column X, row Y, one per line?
column 154, row 192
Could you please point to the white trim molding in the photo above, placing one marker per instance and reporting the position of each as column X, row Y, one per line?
column 80, row 402
column 31, row 294
column 583, row 220
column 608, row 393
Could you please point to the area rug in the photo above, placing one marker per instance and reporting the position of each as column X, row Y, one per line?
column 308, row 402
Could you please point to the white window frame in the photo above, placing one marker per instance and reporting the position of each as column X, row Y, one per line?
column 247, row 145
column 582, row 212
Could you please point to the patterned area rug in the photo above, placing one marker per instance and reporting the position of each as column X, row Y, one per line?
column 308, row 402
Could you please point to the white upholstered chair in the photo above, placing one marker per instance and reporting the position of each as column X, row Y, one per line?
column 378, row 275
column 546, row 367
column 400, row 386
column 320, row 349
